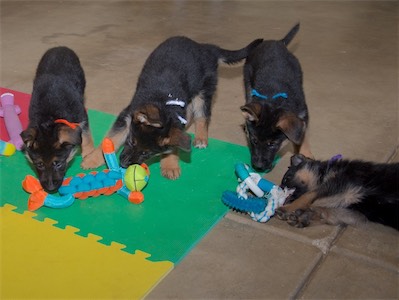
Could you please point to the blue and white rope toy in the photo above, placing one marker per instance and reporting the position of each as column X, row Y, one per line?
column 268, row 196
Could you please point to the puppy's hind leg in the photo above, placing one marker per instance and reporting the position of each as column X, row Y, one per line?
column 201, row 110
column 197, row 110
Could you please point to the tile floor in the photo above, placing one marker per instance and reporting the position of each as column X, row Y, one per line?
column 349, row 55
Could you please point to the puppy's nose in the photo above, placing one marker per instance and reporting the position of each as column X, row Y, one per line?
column 261, row 167
column 124, row 164
column 50, row 187
column 125, row 161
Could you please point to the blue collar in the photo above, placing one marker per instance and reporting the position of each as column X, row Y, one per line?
column 278, row 95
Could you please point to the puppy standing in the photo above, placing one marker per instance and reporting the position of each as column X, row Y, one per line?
column 58, row 120
column 175, row 87
column 341, row 192
column 275, row 108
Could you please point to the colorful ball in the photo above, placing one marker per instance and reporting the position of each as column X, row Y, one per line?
column 136, row 177
column 6, row 149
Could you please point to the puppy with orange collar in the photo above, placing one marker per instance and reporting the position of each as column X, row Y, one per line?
column 58, row 121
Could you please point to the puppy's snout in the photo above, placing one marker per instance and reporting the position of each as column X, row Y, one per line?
column 125, row 161
column 51, row 186
column 261, row 166
column 284, row 182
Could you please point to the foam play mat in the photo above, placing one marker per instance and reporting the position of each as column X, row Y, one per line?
column 105, row 246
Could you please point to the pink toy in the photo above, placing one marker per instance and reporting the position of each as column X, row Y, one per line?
column 10, row 113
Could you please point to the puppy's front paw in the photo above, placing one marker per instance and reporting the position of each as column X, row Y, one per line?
column 282, row 214
column 300, row 218
column 200, row 143
column 93, row 159
column 171, row 173
column 170, row 166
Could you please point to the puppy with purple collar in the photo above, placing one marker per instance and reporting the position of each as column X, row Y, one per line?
column 341, row 191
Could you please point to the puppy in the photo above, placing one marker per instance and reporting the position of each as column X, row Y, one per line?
column 275, row 108
column 175, row 87
column 341, row 192
column 58, row 120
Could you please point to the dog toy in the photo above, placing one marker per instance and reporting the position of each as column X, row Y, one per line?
column 267, row 196
column 39, row 197
column 6, row 149
column 126, row 182
column 10, row 113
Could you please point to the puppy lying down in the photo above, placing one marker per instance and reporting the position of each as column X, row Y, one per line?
column 341, row 192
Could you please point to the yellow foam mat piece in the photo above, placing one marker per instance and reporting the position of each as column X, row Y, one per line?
column 41, row 261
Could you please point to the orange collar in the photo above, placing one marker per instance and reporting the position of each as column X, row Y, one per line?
column 63, row 121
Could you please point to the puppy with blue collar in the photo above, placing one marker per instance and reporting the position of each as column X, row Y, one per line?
column 275, row 108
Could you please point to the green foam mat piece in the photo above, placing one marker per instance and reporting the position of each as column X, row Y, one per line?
column 174, row 216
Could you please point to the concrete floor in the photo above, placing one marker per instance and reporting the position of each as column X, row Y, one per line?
column 349, row 55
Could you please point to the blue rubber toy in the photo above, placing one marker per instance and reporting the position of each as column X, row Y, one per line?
column 267, row 196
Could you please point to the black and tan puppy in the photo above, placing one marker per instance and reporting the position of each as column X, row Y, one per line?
column 341, row 192
column 275, row 108
column 175, row 87
column 58, row 120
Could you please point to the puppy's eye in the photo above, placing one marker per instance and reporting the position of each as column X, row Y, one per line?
column 39, row 166
column 57, row 165
column 132, row 142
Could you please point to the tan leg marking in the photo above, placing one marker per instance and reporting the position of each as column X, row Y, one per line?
column 96, row 158
column 196, row 113
column 201, row 133
column 87, row 143
column 302, row 202
column 170, row 165
column 93, row 160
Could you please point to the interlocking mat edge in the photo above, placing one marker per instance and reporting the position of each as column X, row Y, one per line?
column 106, row 247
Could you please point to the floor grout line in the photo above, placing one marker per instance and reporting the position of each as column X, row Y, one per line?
column 325, row 245
column 322, row 244
column 364, row 258
column 309, row 272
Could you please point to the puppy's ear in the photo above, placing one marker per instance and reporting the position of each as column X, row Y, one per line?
column 297, row 159
column 251, row 111
column 29, row 137
column 179, row 138
column 69, row 136
column 148, row 115
column 293, row 127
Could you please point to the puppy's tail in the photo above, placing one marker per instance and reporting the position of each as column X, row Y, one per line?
column 290, row 35
column 234, row 56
